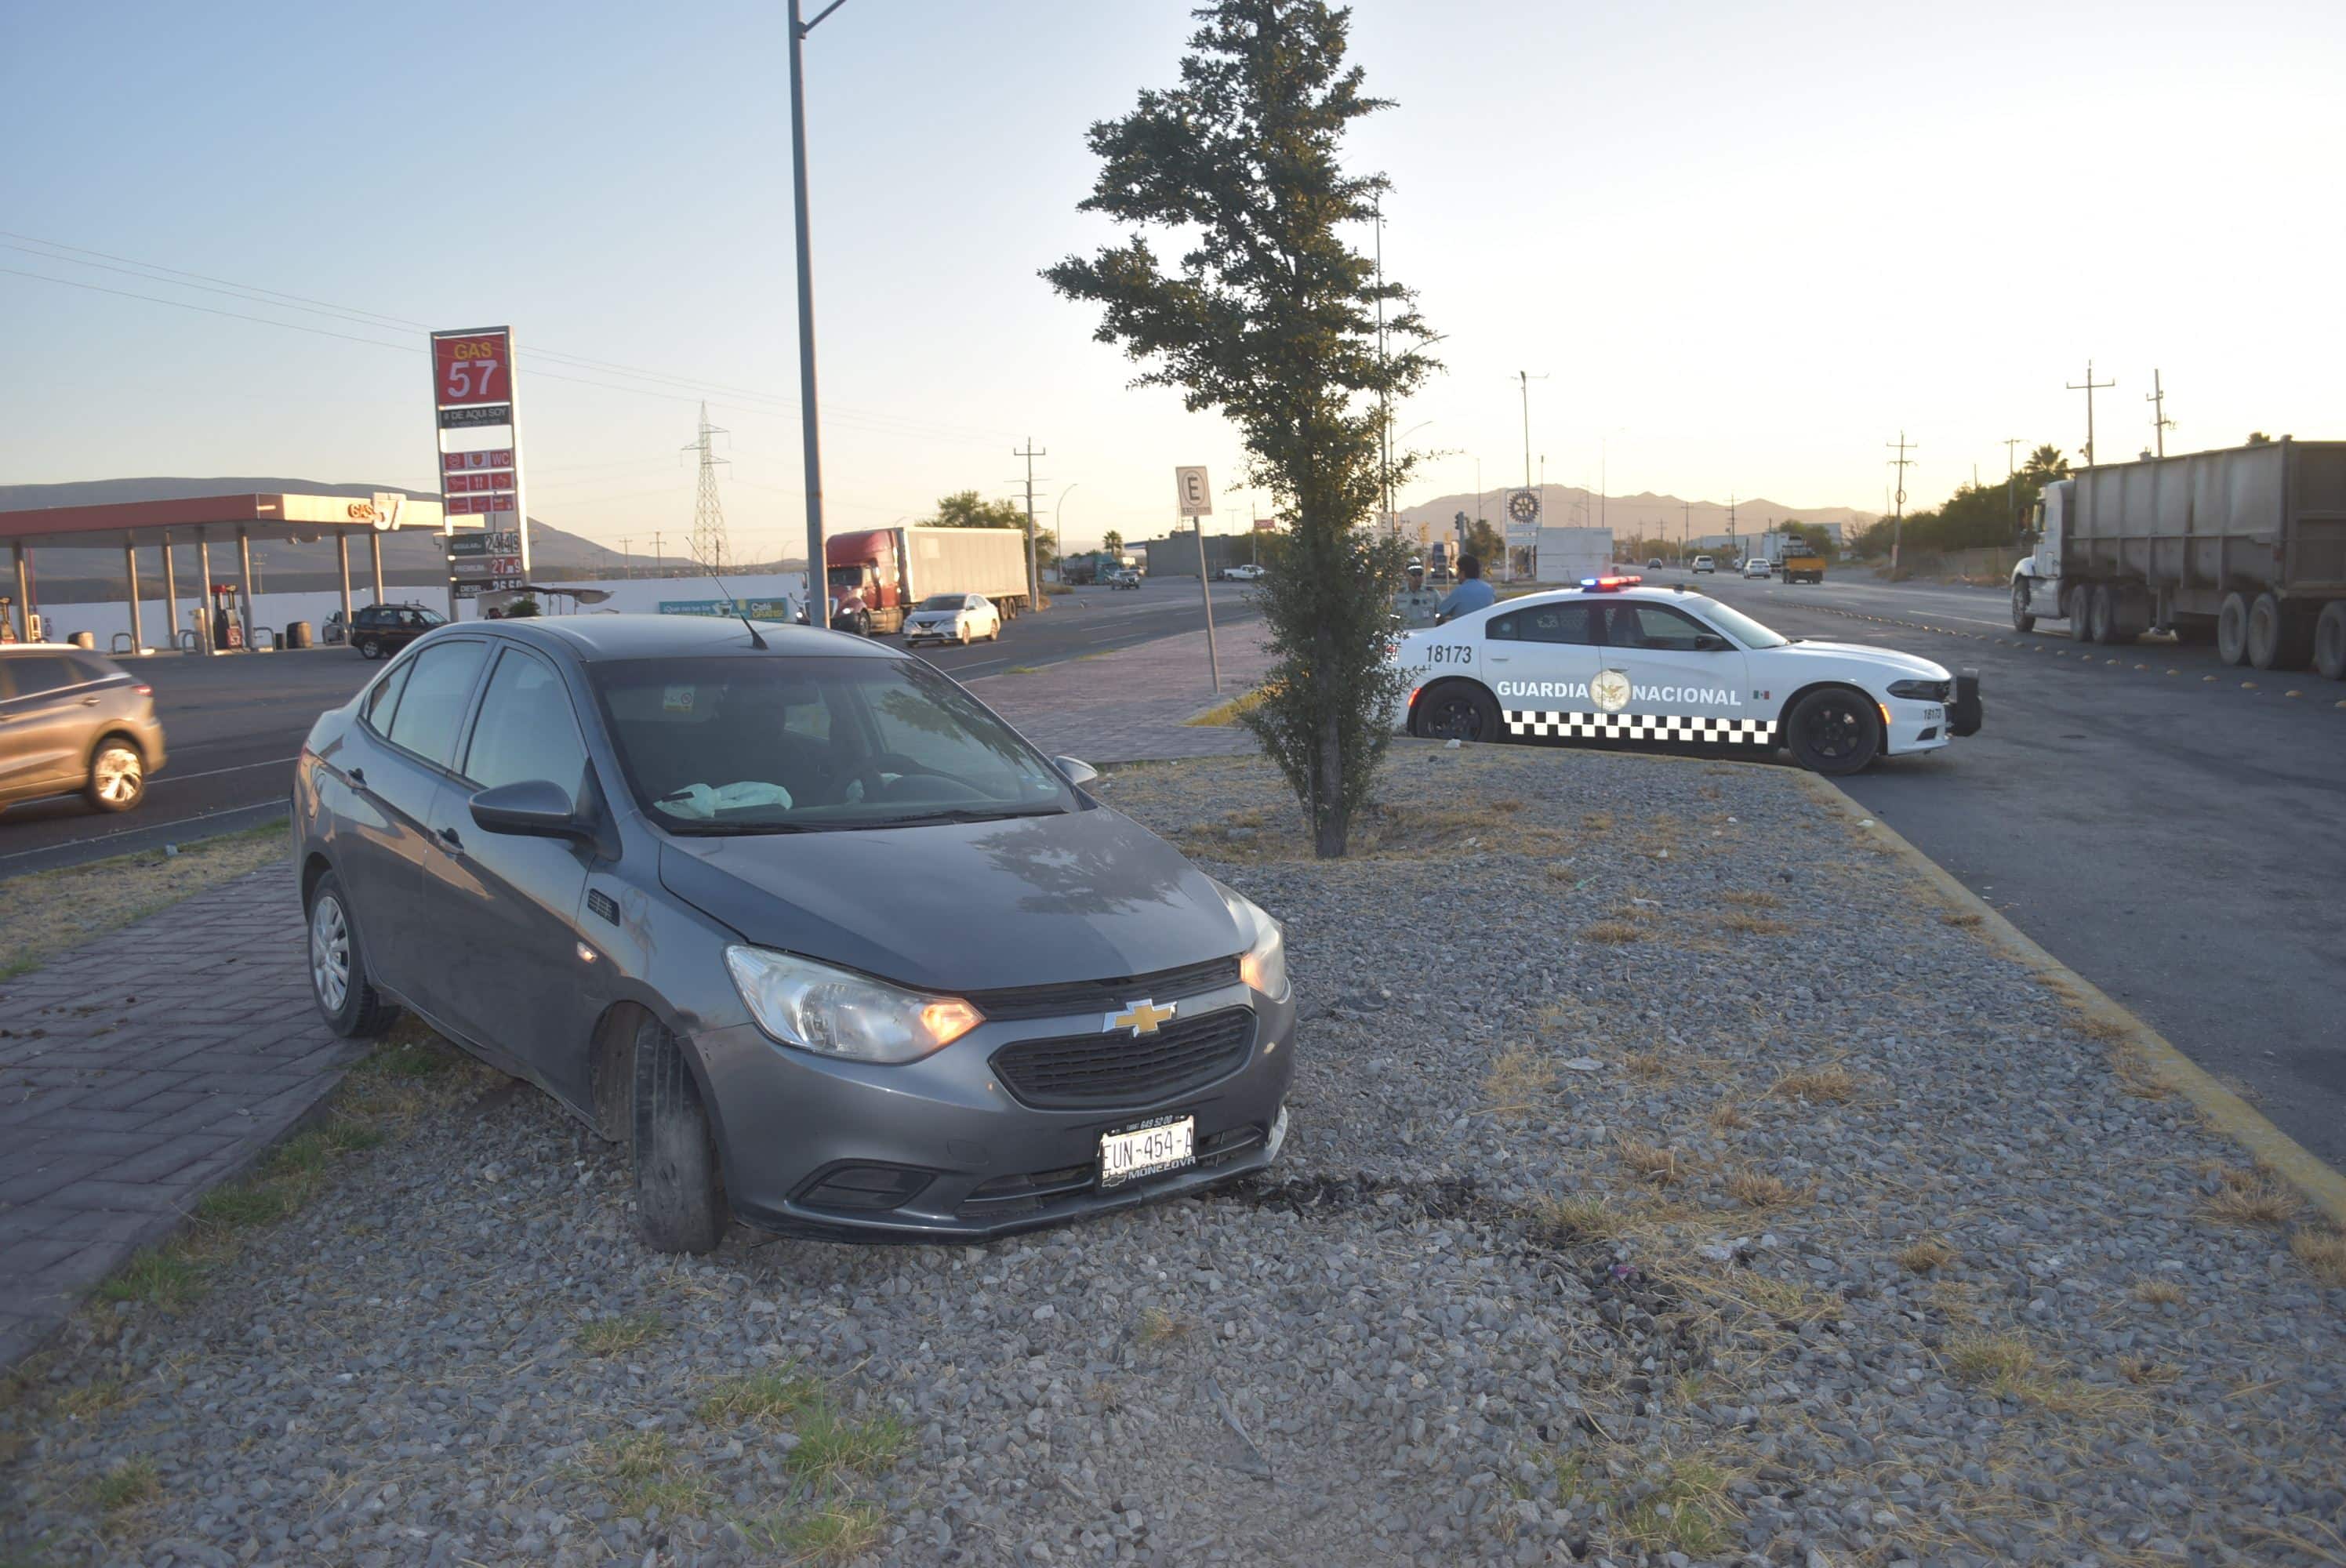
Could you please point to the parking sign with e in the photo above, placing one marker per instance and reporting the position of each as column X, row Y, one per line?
column 1196, row 495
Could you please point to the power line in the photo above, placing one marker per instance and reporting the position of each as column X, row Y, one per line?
column 708, row 511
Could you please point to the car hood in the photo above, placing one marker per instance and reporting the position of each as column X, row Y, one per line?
column 972, row 906
column 1893, row 665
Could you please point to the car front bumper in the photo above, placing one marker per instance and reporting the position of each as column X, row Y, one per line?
column 1911, row 727
column 799, row 1133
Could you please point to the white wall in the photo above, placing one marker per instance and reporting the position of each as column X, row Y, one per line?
column 105, row 618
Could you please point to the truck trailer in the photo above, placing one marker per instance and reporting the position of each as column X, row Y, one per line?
column 2243, row 548
column 877, row 574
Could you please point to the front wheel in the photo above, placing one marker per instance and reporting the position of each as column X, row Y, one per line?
column 118, row 776
column 369, row 648
column 1458, row 712
column 680, row 1182
column 1833, row 731
column 2022, row 621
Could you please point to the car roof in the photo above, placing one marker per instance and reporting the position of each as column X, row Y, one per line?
column 1644, row 595
column 589, row 638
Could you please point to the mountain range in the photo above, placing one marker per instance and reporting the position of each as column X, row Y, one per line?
column 1643, row 515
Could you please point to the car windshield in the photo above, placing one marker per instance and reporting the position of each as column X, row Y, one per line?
column 1740, row 627
column 942, row 602
column 844, row 577
column 735, row 744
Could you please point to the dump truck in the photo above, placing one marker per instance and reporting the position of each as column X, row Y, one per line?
column 1794, row 559
column 877, row 574
column 2244, row 548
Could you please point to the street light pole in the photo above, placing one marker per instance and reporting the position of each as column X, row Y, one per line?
column 817, row 578
column 1058, row 540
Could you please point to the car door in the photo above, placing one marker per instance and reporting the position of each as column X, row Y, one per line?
column 1537, row 660
column 501, row 934
column 1670, row 677
column 46, row 711
column 395, row 768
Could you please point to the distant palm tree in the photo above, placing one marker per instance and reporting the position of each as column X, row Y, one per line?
column 1112, row 542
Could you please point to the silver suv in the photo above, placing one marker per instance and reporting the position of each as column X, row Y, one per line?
column 70, row 721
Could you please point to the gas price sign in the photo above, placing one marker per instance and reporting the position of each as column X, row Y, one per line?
column 479, row 447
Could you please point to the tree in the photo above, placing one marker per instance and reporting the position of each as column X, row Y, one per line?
column 1485, row 544
column 1269, row 316
column 968, row 509
column 1112, row 542
column 2259, row 438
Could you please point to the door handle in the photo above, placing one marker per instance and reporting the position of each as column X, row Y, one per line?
column 1497, row 658
column 449, row 838
column 357, row 776
column 90, row 702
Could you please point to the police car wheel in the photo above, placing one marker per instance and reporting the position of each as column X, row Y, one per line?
column 1833, row 731
column 1457, row 711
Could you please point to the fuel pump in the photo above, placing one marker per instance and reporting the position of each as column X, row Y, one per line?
column 227, row 620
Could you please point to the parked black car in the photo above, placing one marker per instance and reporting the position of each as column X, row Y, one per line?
column 380, row 629
column 72, row 720
column 829, row 943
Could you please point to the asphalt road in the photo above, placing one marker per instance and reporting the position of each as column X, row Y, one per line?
column 2168, row 826
column 235, row 723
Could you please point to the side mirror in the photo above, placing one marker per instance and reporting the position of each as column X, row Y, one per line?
column 532, row 809
column 1711, row 642
column 1075, row 770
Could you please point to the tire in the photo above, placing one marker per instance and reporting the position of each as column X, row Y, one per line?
column 338, row 980
column 118, row 775
column 2233, row 630
column 679, row 1184
column 1833, row 730
column 2105, row 615
column 1458, row 710
column 2271, row 640
column 2077, row 610
column 368, row 648
column 2022, row 621
column 2330, row 641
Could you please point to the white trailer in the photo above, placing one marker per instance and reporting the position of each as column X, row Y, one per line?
column 1568, row 555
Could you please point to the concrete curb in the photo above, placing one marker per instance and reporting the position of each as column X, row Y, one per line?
column 2322, row 1187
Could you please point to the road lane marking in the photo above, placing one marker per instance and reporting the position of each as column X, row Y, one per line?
column 276, row 804
column 216, row 772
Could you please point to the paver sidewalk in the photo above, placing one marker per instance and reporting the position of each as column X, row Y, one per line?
column 1128, row 706
column 136, row 1073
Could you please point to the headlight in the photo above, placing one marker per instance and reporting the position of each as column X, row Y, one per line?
column 834, row 1012
column 1920, row 690
column 1264, row 965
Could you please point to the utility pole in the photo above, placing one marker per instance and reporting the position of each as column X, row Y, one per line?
column 2159, row 419
column 708, row 511
column 818, row 603
column 659, row 562
column 1898, row 514
column 627, row 557
column 1385, row 396
column 2011, row 499
column 2088, row 386
column 1033, row 572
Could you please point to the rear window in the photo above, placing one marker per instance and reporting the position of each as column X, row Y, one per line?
column 433, row 706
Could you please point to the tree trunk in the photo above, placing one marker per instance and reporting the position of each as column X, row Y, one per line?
column 1335, row 823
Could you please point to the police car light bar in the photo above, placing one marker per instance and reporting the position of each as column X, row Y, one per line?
column 1605, row 584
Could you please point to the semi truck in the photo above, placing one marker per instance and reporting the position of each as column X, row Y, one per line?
column 877, row 574
column 2244, row 548
column 1790, row 554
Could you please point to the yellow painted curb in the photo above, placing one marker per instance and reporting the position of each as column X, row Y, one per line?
column 2322, row 1187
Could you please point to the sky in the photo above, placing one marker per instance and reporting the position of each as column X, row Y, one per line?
column 1738, row 249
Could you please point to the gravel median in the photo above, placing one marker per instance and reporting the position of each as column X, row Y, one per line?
column 1673, row 1180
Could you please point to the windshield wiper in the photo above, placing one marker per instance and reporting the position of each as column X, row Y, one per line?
column 966, row 814
column 742, row 830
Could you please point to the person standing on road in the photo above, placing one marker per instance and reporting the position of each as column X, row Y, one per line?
column 1471, row 594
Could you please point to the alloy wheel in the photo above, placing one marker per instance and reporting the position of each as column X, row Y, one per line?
column 118, row 776
column 1835, row 730
column 329, row 954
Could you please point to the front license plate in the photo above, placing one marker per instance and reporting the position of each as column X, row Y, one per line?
column 1934, row 714
column 1145, row 1151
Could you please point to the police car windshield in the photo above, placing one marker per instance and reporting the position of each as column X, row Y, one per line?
column 1742, row 627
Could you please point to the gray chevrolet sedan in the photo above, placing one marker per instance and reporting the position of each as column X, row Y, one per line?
column 830, row 944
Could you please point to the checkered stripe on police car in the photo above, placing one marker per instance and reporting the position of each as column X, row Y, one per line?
column 1689, row 729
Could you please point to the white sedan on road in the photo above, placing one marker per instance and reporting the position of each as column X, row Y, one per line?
column 1614, row 661
column 953, row 618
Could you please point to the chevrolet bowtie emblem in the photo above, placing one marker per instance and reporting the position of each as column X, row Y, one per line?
column 1142, row 1017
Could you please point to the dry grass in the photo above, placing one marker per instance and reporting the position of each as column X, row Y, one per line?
column 1650, row 1066
column 1596, row 823
column 1158, row 1327
column 2153, row 1292
column 1728, row 1113
column 643, row 1471
column 48, row 912
column 1756, row 1189
column 2135, row 1077
column 1653, row 1162
column 1579, row 1219
column 1228, row 713
column 1384, row 830
column 1962, row 921
column 617, row 1335
column 1787, row 1301
column 1752, row 899
column 760, row 1397
column 1831, row 1084
column 2144, row 1370
column 2008, row 1367
column 127, row 1486
column 1749, row 924
column 1519, row 1082
column 2249, row 1197
column 1615, row 931
column 2323, row 1251
column 1926, row 1256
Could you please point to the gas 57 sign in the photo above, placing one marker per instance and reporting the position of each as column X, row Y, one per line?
column 471, row 367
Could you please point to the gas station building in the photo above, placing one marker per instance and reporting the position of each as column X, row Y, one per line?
column 205, row 521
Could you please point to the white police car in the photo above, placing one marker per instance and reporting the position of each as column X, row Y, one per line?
column 1613, row 661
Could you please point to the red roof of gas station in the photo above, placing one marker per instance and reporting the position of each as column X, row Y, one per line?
column 261, row 517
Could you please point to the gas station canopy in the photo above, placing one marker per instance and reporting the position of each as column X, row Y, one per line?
column 130, row 524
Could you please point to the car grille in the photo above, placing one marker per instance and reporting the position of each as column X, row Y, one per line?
column 1103, row 995
column 1082, row 1072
